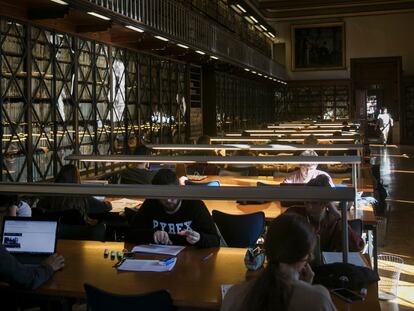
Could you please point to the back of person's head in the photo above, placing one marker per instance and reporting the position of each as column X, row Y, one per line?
column 142, row 150
column 310, row 140
column 309, row 153
column 297, row 242
column 165, row 176
column 320, row 181
column 69, row 174
column 204, row 140
column 288, row 240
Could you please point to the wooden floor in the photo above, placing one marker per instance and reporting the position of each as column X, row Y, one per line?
column 397, row 172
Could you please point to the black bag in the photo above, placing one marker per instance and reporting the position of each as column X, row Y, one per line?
column 341, row 275
column 380, row 193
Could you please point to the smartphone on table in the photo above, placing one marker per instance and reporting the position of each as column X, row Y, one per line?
column 347, row 295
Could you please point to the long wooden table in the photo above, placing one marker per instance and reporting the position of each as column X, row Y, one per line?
column 365, row 186
column 192, row 283
column 271, row 209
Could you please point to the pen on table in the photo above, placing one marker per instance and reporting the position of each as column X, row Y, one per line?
column 118, row 263
column 207, row 257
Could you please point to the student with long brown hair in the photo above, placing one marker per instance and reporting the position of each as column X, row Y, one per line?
column 285, row 284
column 73, row 210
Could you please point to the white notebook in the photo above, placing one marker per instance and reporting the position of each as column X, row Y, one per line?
column 354, row 258
column 141, row 265
column 172, row 250
column 224, row 289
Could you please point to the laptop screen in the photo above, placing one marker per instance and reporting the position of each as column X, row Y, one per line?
column 26, row 235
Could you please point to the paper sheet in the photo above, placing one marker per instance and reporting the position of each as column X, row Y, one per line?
column 173, row 250
column 120, row 204
column 353, row 258
column 224, row 289
column 140, row 265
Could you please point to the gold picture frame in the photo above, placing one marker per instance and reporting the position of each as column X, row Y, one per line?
column 318, row 46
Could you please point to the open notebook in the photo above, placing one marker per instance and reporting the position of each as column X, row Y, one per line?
column 173, row 250
column 145, row 265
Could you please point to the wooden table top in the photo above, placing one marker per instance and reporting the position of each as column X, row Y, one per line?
column 271, row 209
column 192, row 282
column 367, row 182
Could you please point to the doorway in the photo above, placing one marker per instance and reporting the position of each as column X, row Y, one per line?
column 376, row 85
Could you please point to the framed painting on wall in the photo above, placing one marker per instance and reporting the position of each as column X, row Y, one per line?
column 318, row 46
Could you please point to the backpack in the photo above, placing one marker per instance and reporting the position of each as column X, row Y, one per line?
column 338, row 275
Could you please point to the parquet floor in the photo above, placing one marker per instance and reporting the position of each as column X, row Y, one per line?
column 397, row 172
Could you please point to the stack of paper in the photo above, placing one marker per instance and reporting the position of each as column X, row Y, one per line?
column 173, row 250
column 354, row 258
column 141, row 265
column 224, row 289
column 120, row 204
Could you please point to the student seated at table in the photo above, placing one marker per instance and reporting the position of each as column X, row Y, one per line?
column 241, row 169
column 326, row 221
column 203, row 168
column 310, row 140
column 306, row 172
column 286, row 282
column 72, row 210
column 12, row 205
column 173, row 221
column 30, row 277
column 138, row 173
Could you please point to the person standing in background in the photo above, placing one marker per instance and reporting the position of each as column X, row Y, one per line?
column 385, row 122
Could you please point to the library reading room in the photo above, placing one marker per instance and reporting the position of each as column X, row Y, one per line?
column 173, row 155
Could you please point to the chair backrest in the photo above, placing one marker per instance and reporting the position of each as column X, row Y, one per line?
column 240, row 230
column 99, row 300
column 82, row 232
column 356, row 225
column 213, row 183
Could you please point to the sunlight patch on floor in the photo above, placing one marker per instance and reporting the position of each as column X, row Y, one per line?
column 405, row 294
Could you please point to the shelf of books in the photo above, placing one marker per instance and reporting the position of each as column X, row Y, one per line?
column 61, row 94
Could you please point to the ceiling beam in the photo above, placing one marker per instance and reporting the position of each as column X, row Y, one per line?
column 102, row 27
column 296, row 10
column 302, row 4
column 38, row 14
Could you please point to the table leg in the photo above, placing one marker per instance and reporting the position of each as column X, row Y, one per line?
column 375, row 248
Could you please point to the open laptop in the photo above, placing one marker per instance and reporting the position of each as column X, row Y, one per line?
column 30, row 240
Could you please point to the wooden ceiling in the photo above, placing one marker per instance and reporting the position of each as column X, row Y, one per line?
column 287, row 10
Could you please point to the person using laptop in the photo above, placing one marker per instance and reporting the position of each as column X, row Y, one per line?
column 172, row 221
column 306, row 172
column 30, row 277
column 326, row 221
column 138, row 173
